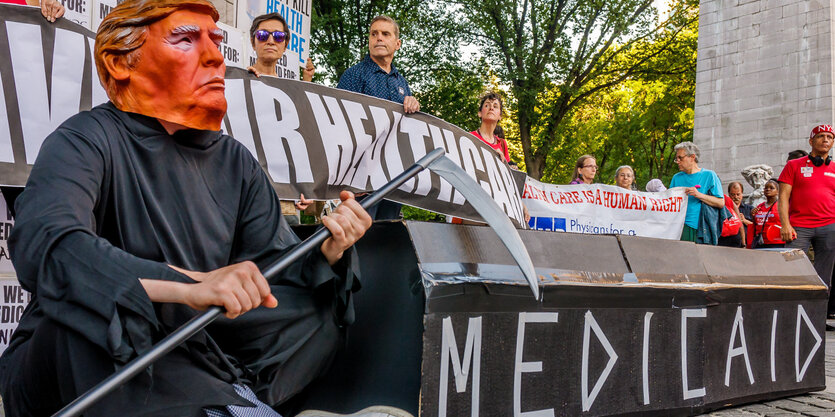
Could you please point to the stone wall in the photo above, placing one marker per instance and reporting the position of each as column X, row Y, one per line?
column 763, row 80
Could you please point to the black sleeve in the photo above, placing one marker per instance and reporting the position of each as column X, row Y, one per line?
column 264, row 236
column 78, row 278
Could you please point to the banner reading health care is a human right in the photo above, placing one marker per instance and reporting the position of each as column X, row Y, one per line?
column 605, row 209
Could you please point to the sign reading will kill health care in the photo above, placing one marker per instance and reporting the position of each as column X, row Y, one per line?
column 295, row 12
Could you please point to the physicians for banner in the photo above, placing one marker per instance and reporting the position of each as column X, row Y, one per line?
column 584, row 170
column 702, row 186
column 625, row 178
column 50, row 9
column 270, row 36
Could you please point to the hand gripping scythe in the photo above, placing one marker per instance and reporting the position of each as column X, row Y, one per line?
column 436, row 162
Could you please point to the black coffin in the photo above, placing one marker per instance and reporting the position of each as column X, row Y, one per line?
column 447, row 326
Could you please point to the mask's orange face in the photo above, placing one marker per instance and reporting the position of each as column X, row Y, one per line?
column 179, row 74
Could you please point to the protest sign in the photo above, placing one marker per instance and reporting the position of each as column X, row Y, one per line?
column 232, row 46
column 78, row 11
column 13, row 302
column 6, row 224
column 605, row 209
column 297, row 15
column 100, row 9
column 309, row 138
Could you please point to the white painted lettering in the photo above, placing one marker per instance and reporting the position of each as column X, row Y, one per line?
column 370, row 174
column 645, row 358
column 687, row 313
column 278, row 124
column 460, row 370
column 742, row 350
column 522, row 367
column 588, row 398
column 418, row 131
column 236, row 115
column 801, row 372
column 333, row 129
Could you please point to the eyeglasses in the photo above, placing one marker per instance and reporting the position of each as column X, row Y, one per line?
column 590, row 166
column 262, row 35
column 680, row 158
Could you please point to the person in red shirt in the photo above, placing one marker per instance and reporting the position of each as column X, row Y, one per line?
column 807, row 203
column 767, row 219
column 732, row 232
column 50, row 9
column 490, row 112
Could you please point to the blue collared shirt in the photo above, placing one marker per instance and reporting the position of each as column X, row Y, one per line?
column 368, row 78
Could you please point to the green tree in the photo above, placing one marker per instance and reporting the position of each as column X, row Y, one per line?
column 558, row 54
column 340, row 32
column 637, row 122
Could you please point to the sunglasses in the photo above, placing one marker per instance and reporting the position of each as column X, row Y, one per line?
column 262, row 35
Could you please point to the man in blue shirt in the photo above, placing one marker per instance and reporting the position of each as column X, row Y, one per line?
column 376, row 76
column 702, row 186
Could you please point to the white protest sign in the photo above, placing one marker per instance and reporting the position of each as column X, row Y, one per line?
column 6, row 224
column 605, row 209
column 100, row 9
column 297, row 15
column 78, row 11
column 232, row 46
column 14, row 300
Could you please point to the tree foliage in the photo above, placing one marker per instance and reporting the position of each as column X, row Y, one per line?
column 579, row 76
column 340, row 31
column 558, row 54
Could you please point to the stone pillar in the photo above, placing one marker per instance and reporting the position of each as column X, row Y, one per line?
column 763, row 80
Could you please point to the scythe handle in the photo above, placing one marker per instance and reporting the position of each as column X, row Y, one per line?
column 202, row 320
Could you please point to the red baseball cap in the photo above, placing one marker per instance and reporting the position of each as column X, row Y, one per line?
column 821, row 129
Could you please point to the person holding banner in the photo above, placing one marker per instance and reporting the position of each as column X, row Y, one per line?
column 51, row 10
column 584, row 170
column 140, row 212
column 490, row 112
column 270, row 36
column 625, row 178
column 702, row 186
column 377, row 76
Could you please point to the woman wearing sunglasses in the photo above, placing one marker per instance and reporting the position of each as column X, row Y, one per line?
column 270, row 36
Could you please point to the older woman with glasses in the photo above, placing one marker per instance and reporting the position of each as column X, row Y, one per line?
column 702, row 187
column 269, row 36
column 584, row 170
column 625, row 177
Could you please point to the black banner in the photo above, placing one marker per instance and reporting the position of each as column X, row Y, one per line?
column 309, row 138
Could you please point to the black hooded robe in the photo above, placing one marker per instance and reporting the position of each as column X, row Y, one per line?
column 113, row 198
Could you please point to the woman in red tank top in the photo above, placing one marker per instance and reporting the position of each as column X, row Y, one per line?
column 490, row 112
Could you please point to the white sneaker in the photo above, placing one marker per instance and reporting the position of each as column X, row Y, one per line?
column 373, row 411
